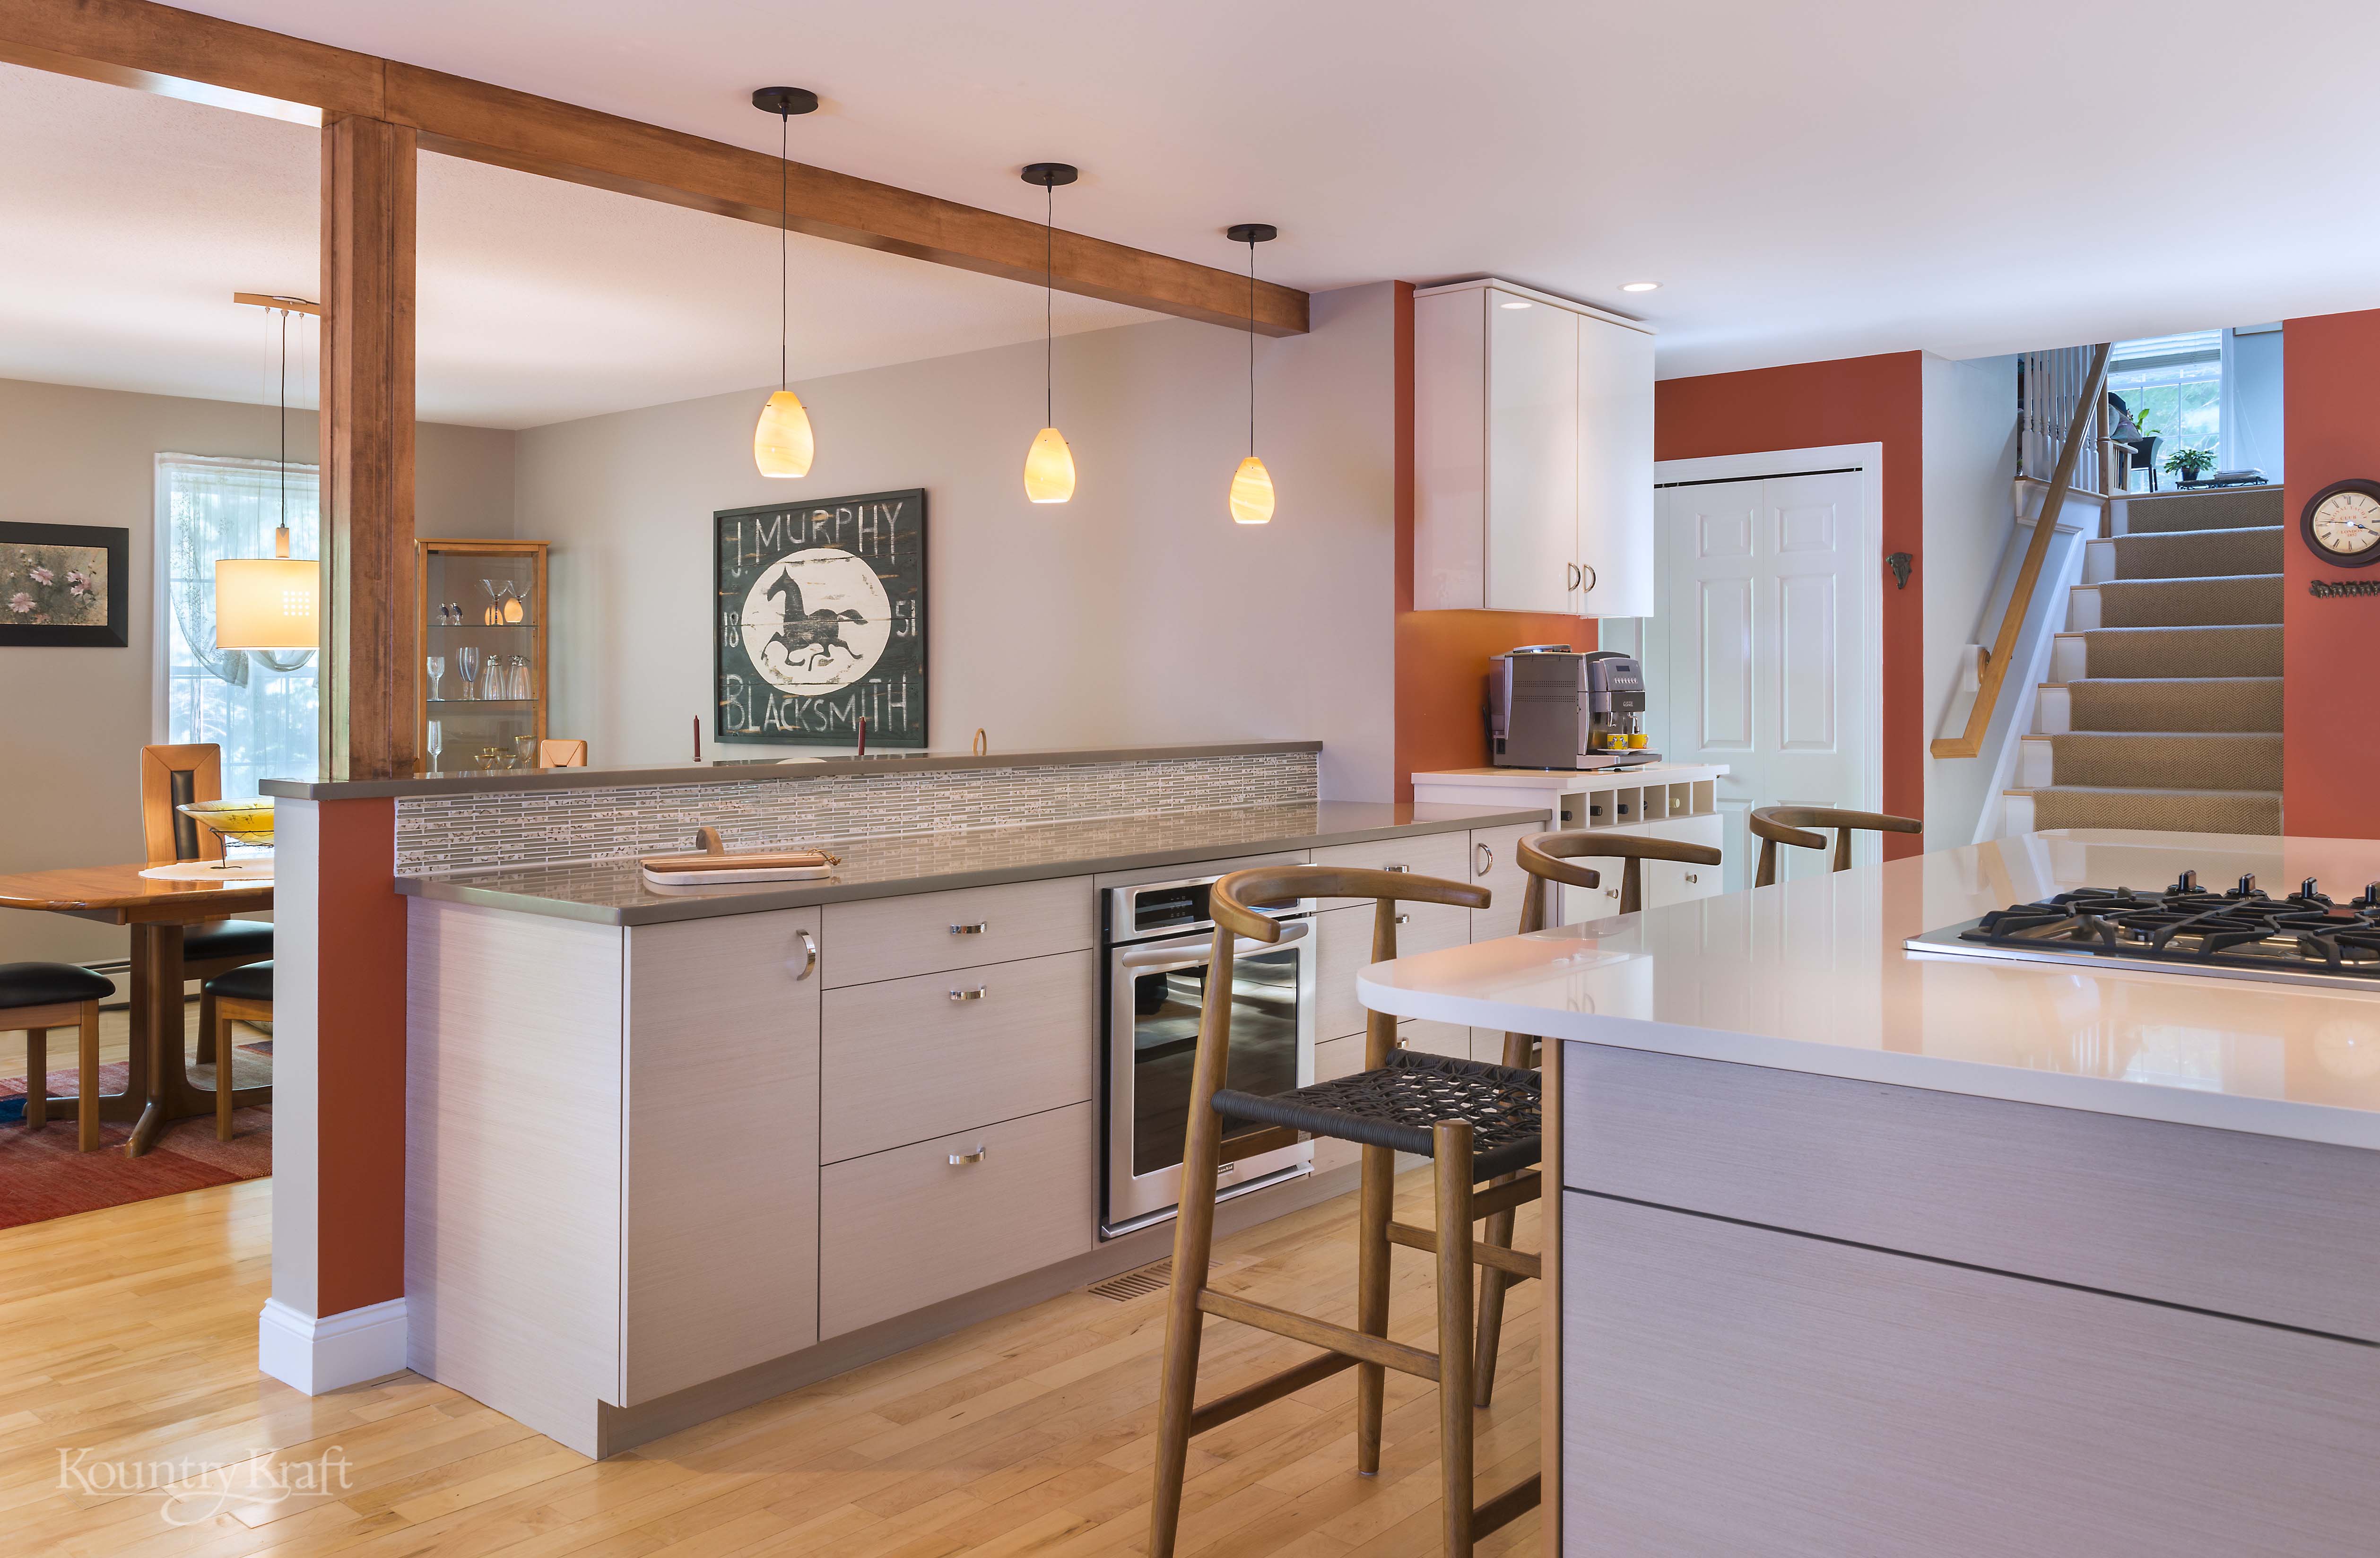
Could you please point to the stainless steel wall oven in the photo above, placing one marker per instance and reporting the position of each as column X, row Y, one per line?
column 1157, row 937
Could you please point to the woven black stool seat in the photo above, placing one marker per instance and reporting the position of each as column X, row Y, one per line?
column 1395, row 1106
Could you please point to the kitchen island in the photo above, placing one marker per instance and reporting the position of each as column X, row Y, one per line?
column 1865, row 1250
column 669, row 1152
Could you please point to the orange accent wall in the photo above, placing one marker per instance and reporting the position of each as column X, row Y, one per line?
column 2332, row 431
column 1442, row 666
column 1851, row 400
column 360, row 1059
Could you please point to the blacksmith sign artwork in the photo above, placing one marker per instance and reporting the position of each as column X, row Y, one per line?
column 820, row 622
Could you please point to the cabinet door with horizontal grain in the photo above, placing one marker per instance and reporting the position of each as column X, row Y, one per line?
column 1728, row 1389
column 1343, row 948
column 719, row 1264
column 926, row 933
column 905, row 1059
column 920, row 1224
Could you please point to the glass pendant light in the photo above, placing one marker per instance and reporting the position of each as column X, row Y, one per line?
column 272, row 603
column 1048, row 464
column 1252, row 484
column 781, row 443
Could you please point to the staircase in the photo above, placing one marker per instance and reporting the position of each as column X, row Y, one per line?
column 2163, row 710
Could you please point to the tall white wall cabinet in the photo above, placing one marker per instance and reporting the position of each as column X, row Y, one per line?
column 1533, row 454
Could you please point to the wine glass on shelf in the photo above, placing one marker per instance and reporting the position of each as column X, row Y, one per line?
column 493, row 612
column 521, row 594
column 436, row 666
column 467, row 661
column 508, row 604
column 433, row 741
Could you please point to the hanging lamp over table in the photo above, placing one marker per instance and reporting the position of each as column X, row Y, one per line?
column 782, row 444
column 1049, row 464
column 1252, row 484
column 272, row 603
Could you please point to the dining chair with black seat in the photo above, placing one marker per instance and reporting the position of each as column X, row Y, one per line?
column 1473, row 1122
column 1790, row 826
column 36, row 997
column 172, row 778
column 242, row 995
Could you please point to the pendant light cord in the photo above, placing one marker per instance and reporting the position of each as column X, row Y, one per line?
column 784, row 220
column 1252, row 348
column 281, row 540
column 1049, row 306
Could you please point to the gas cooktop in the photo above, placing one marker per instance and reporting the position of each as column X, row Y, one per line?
column 2238, row 932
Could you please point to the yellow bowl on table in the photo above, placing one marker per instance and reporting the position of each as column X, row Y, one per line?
column 238, row 822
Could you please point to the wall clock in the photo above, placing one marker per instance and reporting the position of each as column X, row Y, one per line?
column 2342, row 524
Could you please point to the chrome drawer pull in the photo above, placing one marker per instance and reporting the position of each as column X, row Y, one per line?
column 976, row 929
column 979, row 992
column 1405, row 919
column 1396, row 868
column 1690, row 876
column 810, row 957
column 960, row 1160
column 1487, row 858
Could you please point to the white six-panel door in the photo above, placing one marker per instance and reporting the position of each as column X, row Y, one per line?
column 1757, row 651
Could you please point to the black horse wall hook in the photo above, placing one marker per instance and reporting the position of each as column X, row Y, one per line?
column 819, row 633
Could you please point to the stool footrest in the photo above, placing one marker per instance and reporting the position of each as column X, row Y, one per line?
column 1321, row 1333
column 1267, row 1391
column 1507, row 1506
column 1506, row 1194
column 1519, row 1262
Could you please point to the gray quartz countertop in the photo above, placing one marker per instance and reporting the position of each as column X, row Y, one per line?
column 614, row 892
column 763, row 770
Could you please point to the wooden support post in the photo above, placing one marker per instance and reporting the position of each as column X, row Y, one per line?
column 371, row 647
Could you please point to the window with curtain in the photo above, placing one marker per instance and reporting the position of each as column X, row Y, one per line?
column 260, row 707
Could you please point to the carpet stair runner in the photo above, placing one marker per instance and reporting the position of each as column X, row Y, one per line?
column 2168, row 712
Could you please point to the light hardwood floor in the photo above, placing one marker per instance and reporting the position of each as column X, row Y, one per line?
column 131, row 1334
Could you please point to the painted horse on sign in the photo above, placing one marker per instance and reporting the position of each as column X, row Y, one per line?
column 814, row 635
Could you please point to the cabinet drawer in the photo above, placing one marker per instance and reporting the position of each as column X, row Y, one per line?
column 2265, row 1229
column 906, row 1228
column 1445, row 855
column 1344, row 948
column 903, row 1060
column 926, row 933
column 1496, row 866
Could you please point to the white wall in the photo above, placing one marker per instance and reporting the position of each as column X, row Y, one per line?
column 2252, row 400
column 73, row 721
column 1136, row 613
column 1969, row 419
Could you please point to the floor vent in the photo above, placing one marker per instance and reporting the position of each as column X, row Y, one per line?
column 1133, row 1285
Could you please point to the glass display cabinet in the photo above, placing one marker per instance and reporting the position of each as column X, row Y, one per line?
column 483, row 669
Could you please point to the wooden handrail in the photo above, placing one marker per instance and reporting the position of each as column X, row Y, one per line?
column 1969, row 742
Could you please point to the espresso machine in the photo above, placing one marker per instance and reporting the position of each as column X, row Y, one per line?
column 1548, row 708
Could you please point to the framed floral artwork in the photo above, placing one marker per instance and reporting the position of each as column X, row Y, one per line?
column 64, row 585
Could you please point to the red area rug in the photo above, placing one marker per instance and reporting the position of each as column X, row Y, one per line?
column 43, row 1177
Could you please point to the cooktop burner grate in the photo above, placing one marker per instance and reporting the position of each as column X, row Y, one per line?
column 2240, row 931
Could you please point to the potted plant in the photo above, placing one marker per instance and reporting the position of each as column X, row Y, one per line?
column 2187, row 462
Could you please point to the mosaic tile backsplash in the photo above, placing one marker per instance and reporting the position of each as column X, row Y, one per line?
column 440, row 836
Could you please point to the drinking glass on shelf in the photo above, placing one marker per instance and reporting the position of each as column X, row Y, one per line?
column 520, row 676
column 433, row 741
column 467, row 661
column 436, row 666
column 522, row 591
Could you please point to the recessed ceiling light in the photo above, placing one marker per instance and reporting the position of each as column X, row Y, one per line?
column 1640, row 287
column 1515, row 303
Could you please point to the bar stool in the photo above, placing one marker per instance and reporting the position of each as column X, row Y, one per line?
column 37, row 997
column 1550, row 860
column 1784, row 825
column 171, row 778
column 1474, row 1121
column 244, row 994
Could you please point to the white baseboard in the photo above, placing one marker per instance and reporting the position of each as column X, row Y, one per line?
column 328, row 1353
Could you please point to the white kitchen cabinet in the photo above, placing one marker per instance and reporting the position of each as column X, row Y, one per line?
column 1533, row 443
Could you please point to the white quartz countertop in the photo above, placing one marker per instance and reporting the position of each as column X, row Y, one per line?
column 1811, row 975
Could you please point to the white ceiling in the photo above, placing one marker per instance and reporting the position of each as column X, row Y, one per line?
column 128, row 221
column 1808, row 182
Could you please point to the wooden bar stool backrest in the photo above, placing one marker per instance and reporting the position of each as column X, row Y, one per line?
column 560, row 752
column 1789, row 825
column 172, row 777
column 1233, row 902
column 1548, row 858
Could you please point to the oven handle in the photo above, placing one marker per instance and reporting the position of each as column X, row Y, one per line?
column 1145, row 960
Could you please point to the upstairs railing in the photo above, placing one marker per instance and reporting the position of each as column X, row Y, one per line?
column 2054, row 386
column 2071, row 449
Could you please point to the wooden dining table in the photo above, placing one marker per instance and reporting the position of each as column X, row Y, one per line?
column 159, row 1089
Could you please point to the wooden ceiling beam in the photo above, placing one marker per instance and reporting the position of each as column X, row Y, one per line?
column 180, row 54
